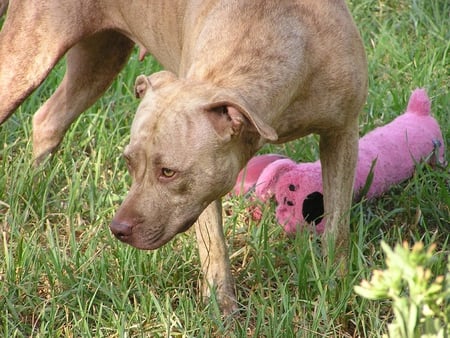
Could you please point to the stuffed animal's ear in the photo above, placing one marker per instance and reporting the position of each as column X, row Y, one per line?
column 265, row 186
column 248, row 176
column 143, row 83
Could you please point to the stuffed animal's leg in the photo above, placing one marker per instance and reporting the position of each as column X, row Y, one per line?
column 92, row 64
column 214, row 257
column 338, row 155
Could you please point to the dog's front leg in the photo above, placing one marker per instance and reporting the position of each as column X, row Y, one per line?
column 214, row 258
column 338, row 155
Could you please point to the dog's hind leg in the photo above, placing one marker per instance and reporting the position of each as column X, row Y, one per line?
column 3, row 6
column 92, row 64
column 31, row 42
column 214, row 258
column 338, row 155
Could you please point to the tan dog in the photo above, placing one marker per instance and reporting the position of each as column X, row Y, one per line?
column 247, row 73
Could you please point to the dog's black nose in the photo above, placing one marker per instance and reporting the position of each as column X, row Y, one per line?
column 120, row 230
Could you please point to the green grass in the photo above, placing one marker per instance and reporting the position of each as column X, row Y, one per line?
column 62, row 274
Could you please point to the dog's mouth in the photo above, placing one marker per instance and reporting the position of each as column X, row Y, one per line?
column 140, row 238
column 187, row 225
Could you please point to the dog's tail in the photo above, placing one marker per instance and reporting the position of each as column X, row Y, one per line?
column 419, row 103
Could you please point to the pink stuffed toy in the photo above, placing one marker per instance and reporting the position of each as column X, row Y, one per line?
column 387, row 156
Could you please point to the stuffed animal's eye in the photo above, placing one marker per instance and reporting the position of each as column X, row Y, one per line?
column 167, row 173
column 288, row 202
column 292, row 187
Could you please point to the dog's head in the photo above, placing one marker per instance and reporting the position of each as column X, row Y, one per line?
column 188, row 142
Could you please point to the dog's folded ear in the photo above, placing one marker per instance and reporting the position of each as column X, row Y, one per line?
column 230, row 119
column 143, row 82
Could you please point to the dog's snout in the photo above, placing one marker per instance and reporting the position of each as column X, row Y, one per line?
column 120, row 230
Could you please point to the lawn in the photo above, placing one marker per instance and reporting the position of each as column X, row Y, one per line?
column 62, row 274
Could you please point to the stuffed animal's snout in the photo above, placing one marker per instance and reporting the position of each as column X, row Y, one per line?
column 312, row 208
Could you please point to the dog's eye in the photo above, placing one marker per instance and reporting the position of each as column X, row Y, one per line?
column 167, row 173
column 221, row 110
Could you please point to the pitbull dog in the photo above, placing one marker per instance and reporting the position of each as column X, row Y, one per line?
column 238, row 74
